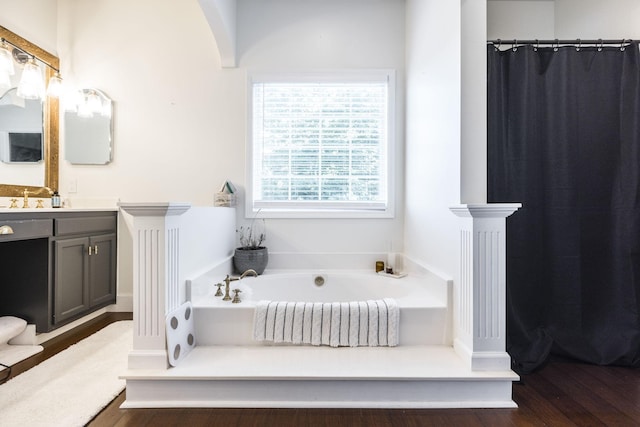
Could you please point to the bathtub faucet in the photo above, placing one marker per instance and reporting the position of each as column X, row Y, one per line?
column 249, row 272
column 227, row 280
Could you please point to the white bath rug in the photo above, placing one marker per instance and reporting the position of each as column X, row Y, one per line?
column 70, row 388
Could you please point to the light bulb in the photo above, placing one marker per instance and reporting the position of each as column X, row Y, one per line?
column 55, row 88
column 6, row 59
column 5, row 82
column 31, row 85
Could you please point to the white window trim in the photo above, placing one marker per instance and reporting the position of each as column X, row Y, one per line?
column 326, row 210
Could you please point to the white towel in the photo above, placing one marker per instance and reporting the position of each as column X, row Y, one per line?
column 363, row 337
column 298, row 322
column 271, row 321
column 316, row 327
column 288, row 321
column 260, row 320
column 278, row 328
column 326, row 323
column 393, row 328
column 334, row 339
column 308, row 323
column 383, row 320
column 363, row 323
column 354, row 323
column 344, row 324
column 373, row 323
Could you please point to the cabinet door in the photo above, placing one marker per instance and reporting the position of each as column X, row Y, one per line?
column 102, row 270
column 71, row 292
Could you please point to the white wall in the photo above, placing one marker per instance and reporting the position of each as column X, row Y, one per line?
column 433, row 126
column 328, row 34
column 516, row 19
column 595, row 19
column 473, row 143
column 34, row 20
column 563, row 19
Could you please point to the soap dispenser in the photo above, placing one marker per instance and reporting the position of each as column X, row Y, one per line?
column 55, row 200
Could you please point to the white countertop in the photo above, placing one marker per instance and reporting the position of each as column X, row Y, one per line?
column 36, row 210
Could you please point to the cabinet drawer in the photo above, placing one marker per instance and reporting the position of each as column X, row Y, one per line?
column 27, row 229
column 84, row 225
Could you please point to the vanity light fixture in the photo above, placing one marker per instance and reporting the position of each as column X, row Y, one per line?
column 6, row 59
column 31, row 84
column 54, row 89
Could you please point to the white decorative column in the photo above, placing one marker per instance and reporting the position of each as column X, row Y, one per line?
column 156, row 273
column 480, row 291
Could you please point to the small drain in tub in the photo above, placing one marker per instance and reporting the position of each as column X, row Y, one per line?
column 318, row 280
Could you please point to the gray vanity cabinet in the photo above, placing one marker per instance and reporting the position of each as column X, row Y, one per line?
column 57, row 265
column 71, row 293
column 102, row 270
column 84, row 266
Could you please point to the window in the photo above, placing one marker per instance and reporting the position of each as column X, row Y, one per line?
column 320, row 145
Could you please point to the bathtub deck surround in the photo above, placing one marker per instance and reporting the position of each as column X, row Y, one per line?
column 320, row 377
column 229, row 369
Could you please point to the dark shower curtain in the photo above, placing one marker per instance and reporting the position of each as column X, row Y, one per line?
column 564, row 139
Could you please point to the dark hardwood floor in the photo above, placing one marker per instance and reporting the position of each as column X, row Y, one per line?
column 563, row 393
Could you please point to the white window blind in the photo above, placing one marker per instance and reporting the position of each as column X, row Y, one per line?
column 320, row 145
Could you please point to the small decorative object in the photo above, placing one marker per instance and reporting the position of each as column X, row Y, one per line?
column 379, row 266
column 226, row 197
column 251, row 254
column 55, row 200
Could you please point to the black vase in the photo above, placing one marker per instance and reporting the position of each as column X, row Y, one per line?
column 250, row 258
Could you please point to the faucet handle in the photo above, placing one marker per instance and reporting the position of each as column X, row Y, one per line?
column 219, row 291
column 236, row 298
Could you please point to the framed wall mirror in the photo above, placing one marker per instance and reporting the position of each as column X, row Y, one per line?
column 33, row 176
column 88, row 129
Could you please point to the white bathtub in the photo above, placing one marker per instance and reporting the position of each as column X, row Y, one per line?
column 423, row 302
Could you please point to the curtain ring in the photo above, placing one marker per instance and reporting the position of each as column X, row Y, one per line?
column 535, row 48
column 601, row 44
column 579, row 45
column 498, row 47
column 557, row 46
column 622, row 47
column 515, row 45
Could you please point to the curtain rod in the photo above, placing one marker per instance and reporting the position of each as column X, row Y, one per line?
column 619, row 42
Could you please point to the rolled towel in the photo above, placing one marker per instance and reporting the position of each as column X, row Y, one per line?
column 278, row 329
column 260, row 321
column 354, row 323
column 383, row 320
column 307, row 327
column 326, row 323
column 288, row 321
column 336, row 311
column 393, row 327
column 363, row 337
column 298, row 322
column 271, row 320
column 316, row 327
column 344, row 324
column 373, row 323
